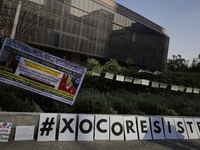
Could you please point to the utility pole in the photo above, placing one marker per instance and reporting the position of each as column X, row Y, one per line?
column 16, row 20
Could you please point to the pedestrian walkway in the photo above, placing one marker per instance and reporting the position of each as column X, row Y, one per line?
column 103, row 145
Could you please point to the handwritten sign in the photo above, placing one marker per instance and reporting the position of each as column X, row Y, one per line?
column 24, row 133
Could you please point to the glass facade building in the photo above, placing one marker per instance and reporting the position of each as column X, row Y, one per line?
column 97, row 28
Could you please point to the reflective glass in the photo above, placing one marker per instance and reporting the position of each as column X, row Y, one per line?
column 86, row 4
column 62, row 41
column 74, row 27
column 64, row 25
column 80, row 4
column 39, row 37
column 45, row 37
column 85, row 47
column 76, row 44
column 67, row 42
column 51, row 38
column 69, row 27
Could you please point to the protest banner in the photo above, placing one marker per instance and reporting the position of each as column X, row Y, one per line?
column 34, row 70
column 5, row 129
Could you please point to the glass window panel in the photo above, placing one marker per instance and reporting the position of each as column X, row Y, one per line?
column 109, row 25
column 115, row 18
column 94, row 7
column 106, row 38
column 86, row 5
column 97, row 10
column 85, row 46
column 77, row 44
column 76, row 12
column 62, row 41
column 58, row 24
column 96, row 23
column 104, row 25
column 74, row 27
column 78, row 29
column 39, row 38
column 32, row 38
column 71, row 13
column 45, row 38
column 93, row 48
column 66, row 11
column 55, row 6
column 67, row 1
column 102, row 37
column 90, row 6
column 73, row 2
column 51, row 38
column 72, row 43
column 99, row 37
column 100, row 24
column 97, row 49
column 69, row 27
column 56, row 39
column 60, row 8
column 90, row 48
column 123, row 21
column 101, row 12
column 88, row 20
column 95, row 35
column 81, row 45
column 83, row 31
column 77, row 3
column 64, row 24
column 87, row 32
column 84, row 18
column 80, row 16
column 81, row 4
column 67, row 42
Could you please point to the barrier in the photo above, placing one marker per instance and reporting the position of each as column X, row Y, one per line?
column 89, row 127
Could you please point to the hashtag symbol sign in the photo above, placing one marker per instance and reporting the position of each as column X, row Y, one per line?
column 47, row 126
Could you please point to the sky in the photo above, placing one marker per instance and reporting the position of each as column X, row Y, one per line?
column 180, row 18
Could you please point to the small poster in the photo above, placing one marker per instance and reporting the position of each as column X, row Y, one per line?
column 5, row 129
column 24, row 133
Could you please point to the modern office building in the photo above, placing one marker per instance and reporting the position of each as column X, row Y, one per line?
column 100, row 29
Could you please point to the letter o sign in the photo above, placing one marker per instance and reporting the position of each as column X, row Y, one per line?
column 120, row 130
column 89, row 128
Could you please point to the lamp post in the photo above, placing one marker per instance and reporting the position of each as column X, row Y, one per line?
column 16, row 20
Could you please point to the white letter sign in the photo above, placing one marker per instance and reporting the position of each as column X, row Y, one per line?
column 67, row 127
column 47, row 127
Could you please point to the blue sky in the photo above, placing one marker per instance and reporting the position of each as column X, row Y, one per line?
column 180, row 18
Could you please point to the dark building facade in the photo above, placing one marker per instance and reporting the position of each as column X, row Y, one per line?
column 101, row 29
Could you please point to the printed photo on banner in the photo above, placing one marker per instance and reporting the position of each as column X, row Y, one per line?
column 68, row 84
column 40, row 72
column 8, row 62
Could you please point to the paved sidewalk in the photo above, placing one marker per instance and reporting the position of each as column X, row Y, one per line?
column 103, row 145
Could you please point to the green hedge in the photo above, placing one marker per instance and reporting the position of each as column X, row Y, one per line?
column 103, row 96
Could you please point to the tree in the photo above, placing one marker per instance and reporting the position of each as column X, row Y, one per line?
column 177, row 63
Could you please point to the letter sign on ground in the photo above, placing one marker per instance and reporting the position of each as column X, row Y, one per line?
column 116, row 128
column 47, row 127
column 191, row 129
column 180, row 128
column 130, row 128
column 85, row 128
column 102, row 127
column 197, row 125
column 144, row 128
column 157, row 128
column 67, row 127
column 169, row 128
